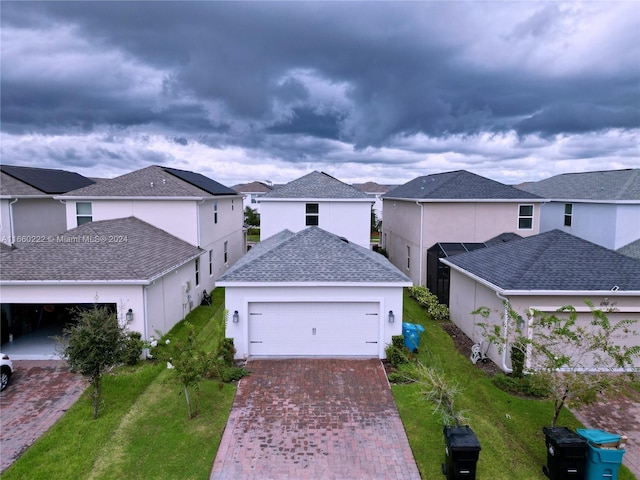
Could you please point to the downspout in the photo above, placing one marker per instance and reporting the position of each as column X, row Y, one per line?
column 420, row 247
column 146, row 314
column 11, row 226
column 505, row 332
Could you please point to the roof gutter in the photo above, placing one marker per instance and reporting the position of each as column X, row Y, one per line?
column 505, row 331
column 468, row 200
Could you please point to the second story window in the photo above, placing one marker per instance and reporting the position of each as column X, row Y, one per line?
column 83, row 213
column 312, row 215
column 226, row 252
column 568, row 214
column 215, row 211
column 210, row 262
column 525, row 217
column 197, row 272
column 408, row 257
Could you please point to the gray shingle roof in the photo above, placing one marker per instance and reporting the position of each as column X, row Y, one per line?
column 316, row 185
column 552, row 261
column 457, row 185
column 27, row 181
column 253, row 187
column 631, row 249
column 124, row 249
column 605, row 185
column 371, row 187
column 152, row 181
column 312, row 255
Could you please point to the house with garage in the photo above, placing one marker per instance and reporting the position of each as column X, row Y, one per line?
column 187, row 205
column 136, row 269
column 317, row 199
column 451, row 207
column 312, row 293
column 602, row 207
column 542, row 272
column 28, row 210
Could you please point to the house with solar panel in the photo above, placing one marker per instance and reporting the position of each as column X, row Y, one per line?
column 451, row 212
column 146, row 244
column 28, row 209
column 319, row 200
column 602, row 207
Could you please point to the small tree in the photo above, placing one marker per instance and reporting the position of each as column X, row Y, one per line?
column 571, row 358
column 92, row 345
column 189, row 364
column 251, row 217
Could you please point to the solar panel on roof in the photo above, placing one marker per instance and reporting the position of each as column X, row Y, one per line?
column 47, row 180
column 200, row 181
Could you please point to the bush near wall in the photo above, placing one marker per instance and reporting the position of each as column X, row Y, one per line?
column 429, row 302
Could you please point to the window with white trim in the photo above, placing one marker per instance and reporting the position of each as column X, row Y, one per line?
column 525, row 217
column 210, row 262
column 408, row 257
column 83, row 213
column 312, row 214
column 197, row 272
column 215, row 211
column 226, row 252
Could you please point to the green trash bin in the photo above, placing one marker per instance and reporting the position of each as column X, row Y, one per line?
column 604, row 454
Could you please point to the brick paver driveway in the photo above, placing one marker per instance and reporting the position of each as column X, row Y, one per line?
column 314, row 419
column 39, row 392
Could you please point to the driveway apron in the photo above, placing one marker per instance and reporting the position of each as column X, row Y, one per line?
column 314, row 419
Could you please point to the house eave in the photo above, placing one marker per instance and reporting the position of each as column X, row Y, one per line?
column 591, row 201
column 133, row 197
column 267, row 284
column 467, row 200
column 316, row 200
column 74, row 282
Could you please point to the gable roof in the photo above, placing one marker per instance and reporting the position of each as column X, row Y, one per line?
column 124, row 250
column 631, row 249
column 553, row 261
column 458, row 185
column 26, row 181
column 605, row 185
column 371, row 187
column 253, row 187
column 155, row 182
column 312, row 256
column 316, row 185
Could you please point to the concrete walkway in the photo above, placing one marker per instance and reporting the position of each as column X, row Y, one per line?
column 314, row 418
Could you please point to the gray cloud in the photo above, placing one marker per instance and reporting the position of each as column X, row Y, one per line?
column 299, row 81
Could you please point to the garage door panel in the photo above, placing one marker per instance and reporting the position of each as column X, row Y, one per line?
column 306, row 328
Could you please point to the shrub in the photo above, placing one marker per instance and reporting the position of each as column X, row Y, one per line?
column 525, row 385
column 132, row 347
column 396, row 352
column 429, row 302
column 226, row 351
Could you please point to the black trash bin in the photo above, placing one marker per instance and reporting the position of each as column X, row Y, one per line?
column 462, row 452
column 566, row 454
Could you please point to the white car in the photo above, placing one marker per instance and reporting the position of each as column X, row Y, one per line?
column 6, row 370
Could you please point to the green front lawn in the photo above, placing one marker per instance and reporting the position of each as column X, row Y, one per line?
column 509, row 428
column 143, row 432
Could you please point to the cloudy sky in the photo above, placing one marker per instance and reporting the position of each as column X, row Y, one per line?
column 382, row 91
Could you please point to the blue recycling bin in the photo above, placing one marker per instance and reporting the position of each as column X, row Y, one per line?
column 604, row 454
column 411, row 333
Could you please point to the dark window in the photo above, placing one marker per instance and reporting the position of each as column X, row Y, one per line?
column 226, row 252
column 215, row 211
column 525, row 217
column 210, row 262
column 83, row 213
column 312, row 215
column 568, row 214
column 197, row 272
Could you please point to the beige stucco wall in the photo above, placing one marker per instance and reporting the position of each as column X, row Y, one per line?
column 445, row 222
column 467, row 295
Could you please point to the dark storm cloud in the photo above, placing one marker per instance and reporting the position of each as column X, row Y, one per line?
column 260, row 74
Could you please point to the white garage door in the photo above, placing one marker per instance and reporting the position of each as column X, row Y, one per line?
column 305, row 328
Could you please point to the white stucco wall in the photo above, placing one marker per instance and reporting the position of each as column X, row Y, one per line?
column 349, row 219
column 238, row 298
column 32, row 217
column 178, row 217
column 467, row 295
column 124, row 296
column 627, row 225
column 5, row 222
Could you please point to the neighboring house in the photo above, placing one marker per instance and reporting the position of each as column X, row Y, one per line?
column 317, row 199
column 374, row 190
column 543, row 272
column 187, row 205
column 251, row 192
column 312, row 293
column 602, row 207
column 28, row 210
column 457, row 206
column 124, row 263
